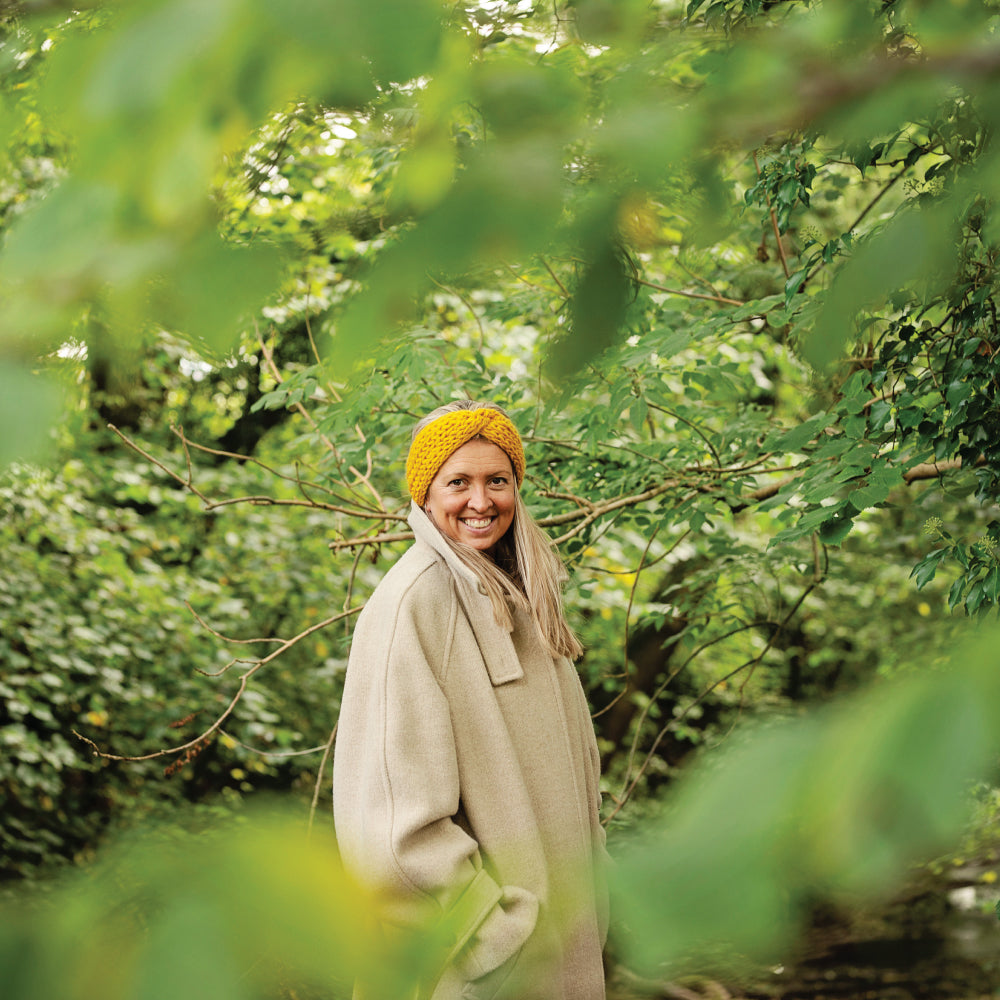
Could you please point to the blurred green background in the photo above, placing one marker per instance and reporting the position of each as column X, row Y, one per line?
column 730, row 265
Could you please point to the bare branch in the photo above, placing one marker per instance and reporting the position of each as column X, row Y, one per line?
column 278, row 754
column 258, row 500
column 932, row 470
column 721, row 299
column 383, row 538
column 321, row 770
column 234, row 701
column 225, row 638
column 185, row 482
column 364, row 512
column 774, row 223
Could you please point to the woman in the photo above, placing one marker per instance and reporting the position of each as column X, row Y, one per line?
column 466, row 770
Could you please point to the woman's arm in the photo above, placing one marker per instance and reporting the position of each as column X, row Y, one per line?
column 396, row 784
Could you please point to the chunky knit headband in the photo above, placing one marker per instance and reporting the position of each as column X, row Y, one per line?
column 435, row 442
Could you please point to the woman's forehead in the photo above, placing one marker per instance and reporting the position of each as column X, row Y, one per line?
column 479, row 455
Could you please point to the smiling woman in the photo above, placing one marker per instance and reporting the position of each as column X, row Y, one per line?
column 471, row 499
column 466, row 770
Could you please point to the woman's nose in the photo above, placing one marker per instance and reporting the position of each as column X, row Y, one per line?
column 478, row 498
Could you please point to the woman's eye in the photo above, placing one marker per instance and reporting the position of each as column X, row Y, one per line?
column 457, row 482
column 499, row 481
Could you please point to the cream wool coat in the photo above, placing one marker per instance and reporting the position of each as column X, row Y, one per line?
column 466, row 783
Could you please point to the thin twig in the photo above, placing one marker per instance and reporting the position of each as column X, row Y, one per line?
column 178, row 432
column 278, row 754
column 225, row 638
column 693, row 426
column 234, row 701
column 330, row 387
column 286, row 644
column 555, row 278
column 319, row 778
column 628, row 614
column 468, row 305
column 774, row 222
column 259, row 500
column 721, row 299
column 363, row 511
column 269, row 358
column 186, row 483
column 365, row 477
column 750, row 665
column 820, row 264
column 383, row 538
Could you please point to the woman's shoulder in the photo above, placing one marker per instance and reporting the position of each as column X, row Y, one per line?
column 419, row 575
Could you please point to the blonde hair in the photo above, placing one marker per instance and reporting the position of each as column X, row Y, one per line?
column 525, row 572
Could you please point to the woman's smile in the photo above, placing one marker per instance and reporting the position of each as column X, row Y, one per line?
column 471, row 499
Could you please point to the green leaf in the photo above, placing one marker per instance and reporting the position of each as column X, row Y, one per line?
column 215, row 288
column 991, row 585
column 872, row 493
column 911, row 248
column 742, row 887
column 834, row 530
column 793, row 284
column 794, row 439
column 925, row 570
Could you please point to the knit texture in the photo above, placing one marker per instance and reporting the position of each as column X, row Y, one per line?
column 435, row 442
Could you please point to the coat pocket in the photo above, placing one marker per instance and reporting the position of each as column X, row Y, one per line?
column 497, row 983
column 500, row 936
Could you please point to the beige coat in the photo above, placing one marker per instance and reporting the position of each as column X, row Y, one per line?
column 466, row 783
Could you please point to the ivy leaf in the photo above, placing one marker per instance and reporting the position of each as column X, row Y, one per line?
column 793, row 284
column 925, row 570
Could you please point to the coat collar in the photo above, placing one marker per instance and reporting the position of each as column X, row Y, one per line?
column 495, row 642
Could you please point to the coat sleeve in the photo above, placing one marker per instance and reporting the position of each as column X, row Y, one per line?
column 396, row 783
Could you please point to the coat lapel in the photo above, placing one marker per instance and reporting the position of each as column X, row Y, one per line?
column 495, row 642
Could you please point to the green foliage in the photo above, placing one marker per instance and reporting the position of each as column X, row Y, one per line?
column 833, row 806
column 836, row 805
column 104, row 575
column 254, row 911
column 731, row 266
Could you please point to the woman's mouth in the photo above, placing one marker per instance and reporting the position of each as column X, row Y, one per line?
column 477, row 522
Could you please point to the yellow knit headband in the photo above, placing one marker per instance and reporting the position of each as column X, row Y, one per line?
column 435, row 442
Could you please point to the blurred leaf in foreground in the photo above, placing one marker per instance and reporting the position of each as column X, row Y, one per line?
column 839, row 804
column 240, row 914
column 29, row 405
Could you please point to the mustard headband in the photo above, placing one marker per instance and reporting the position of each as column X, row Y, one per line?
column 435, row 442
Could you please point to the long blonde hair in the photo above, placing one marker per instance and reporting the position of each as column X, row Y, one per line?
column 525, row 571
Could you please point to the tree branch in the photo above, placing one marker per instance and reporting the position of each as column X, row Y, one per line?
column 216, row 726
column 932, row 470
column 774, row 223
column 721, row 299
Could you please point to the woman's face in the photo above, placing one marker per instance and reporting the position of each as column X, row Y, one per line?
column 471, row 499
